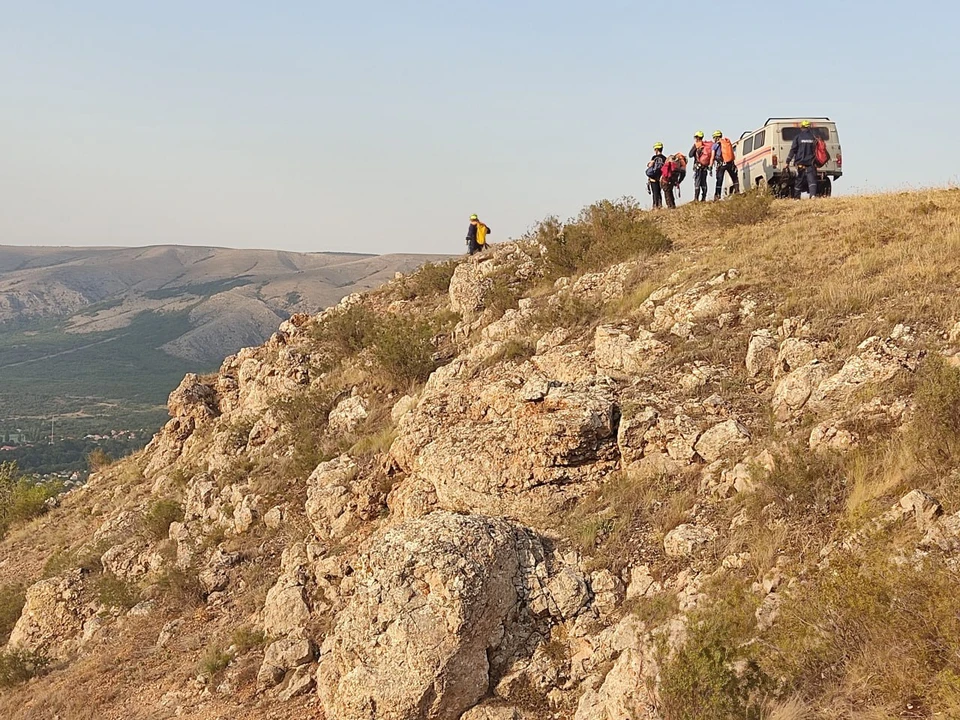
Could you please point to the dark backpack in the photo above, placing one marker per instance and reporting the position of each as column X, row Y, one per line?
column 653, row 172
column 820, row 155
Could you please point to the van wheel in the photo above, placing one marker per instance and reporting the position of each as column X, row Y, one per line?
column 824, row 188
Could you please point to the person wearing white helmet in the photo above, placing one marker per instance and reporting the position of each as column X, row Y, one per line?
column 654, row 168
column 803, row 151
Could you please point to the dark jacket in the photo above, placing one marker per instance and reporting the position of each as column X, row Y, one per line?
column 472, row 232
column 803, row 149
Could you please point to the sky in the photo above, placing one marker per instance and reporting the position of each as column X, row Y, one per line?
column 380, row 126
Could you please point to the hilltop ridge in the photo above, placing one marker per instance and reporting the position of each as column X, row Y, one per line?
column 701, row 464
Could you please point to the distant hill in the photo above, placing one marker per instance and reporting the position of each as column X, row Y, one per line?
column 96, row 335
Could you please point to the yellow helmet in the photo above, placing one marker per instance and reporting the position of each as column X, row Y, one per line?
column 804, row 123
column 718, row 134
column 658, row 146
column 698, row 134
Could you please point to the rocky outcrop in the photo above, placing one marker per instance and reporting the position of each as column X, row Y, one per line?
column 434, row 598
column 52, row 621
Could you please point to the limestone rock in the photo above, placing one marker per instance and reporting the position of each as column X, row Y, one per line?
column 52, row 620
column 685, row 540
column 623, row 694
column 616, row 351
column 347, row 415
column 794, row 390
column 402, row 407
column 283, row 655
column 330, row 507
column 569, row 591
column 431, row 601
column 761, row 353
column 722, row 439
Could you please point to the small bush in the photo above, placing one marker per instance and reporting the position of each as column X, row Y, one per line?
column 747, row 208
column 244, row 639
column 883, row 632
column 160, row 516
column 97, row 459
column 605, row 233
column 114, row 592
column 701, row 679
column 404, row 349
column 181, row 587
column 63, row 561
column 11, row 604
column 351, row 330
column 18, row 666
column 936, row 427
column 214, row 661
column 515, row 350
column 430, row 280
column 21, row 499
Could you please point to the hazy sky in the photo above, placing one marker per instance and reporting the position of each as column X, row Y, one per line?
column 380, row 126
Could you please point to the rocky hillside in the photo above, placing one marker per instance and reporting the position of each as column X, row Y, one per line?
column 696, row 465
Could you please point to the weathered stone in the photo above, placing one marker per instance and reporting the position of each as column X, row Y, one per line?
column 347, row 415
column 283, row 655
column 623, row 694
column 761, row 353
column 794, row 390
column 722, row 439
column 430, row 603
column 569, row 591
column 616, row 351
column 686, row 540
column 53, row 617
column 330, row 507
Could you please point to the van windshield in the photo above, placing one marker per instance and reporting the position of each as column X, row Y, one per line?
column 789, row 133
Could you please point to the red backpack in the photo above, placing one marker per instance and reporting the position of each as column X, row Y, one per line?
column 820, row 155
column 705, row 154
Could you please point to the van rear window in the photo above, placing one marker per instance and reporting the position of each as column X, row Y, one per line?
column 789, row 133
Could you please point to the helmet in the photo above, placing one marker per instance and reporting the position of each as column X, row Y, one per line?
column 474, row 217
column 658, row 146
column 805, row 123
column 698, row 134
column 718, row 134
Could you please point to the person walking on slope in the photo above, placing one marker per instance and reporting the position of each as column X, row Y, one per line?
column 803, row 152
column 672, row 173
column 654, row 168
column 476, row 235
column 726, row 162
column 702, row 155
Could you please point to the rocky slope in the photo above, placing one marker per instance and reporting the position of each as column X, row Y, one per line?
column 695, row 466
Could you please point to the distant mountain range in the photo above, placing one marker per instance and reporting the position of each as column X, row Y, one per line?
column 96, row 335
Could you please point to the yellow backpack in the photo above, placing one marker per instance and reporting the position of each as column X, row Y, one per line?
column 481, row 234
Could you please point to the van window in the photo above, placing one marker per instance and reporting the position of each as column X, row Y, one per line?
column 748, row 146
column 759, row 139
column 789, row 133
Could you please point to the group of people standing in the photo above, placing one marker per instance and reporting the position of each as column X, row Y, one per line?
column 666, row 172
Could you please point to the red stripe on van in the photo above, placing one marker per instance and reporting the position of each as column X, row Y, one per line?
column 755, row 155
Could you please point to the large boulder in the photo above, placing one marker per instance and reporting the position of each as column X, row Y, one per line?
column 51, row 622
column 486, row 449
column 432, row 599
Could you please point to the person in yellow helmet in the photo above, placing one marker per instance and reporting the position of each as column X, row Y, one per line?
column 803, row 152
column 724, row 162
column 476, row 235
column 654, row 168
column 702, row 155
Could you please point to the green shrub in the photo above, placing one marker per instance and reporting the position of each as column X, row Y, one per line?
column 351, row 330
column 749, row 208
column 181, row 587
column 160, row 516
column 404, row 349
column 605, row 233
column 882, row 631
column 11, row 604
column 97, row 459
column 65, row 560
column 18, row 666
column 214, row 661
column 936, row 426
column 246, row 638
column 429, row 280
column 712, row 675
column 114, row 592
column 21, row 499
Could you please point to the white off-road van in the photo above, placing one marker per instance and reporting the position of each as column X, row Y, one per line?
column 762, row 155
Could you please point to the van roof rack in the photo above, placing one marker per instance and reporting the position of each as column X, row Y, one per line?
column 811, row 117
